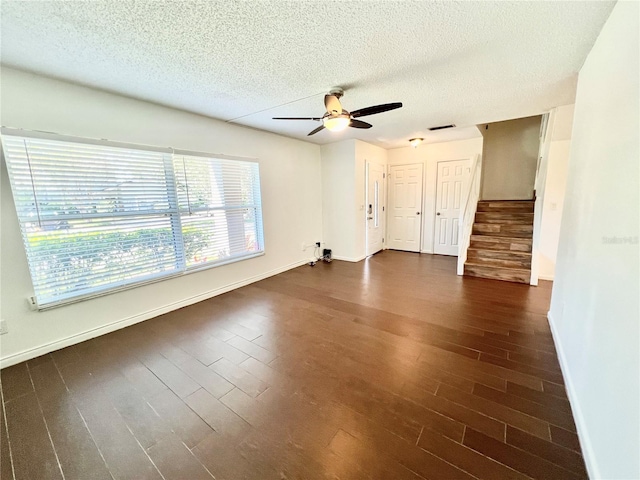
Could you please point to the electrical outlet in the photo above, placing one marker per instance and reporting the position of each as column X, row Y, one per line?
column 3, row 327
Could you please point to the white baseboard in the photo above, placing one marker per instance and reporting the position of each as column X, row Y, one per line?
column 581, row 426
column 348, row 259
column 546, row 277
column 125, row 322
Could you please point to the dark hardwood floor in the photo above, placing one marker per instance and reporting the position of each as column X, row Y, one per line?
column 391, row 368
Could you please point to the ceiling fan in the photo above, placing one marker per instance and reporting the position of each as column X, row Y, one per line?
column 337, row 118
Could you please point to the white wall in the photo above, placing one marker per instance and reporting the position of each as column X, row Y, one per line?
column 510, row 159
column 343, row 196
column 291, row 193
column 430, row 155
column 339, row 211
column 554, row 190
column 595, row 314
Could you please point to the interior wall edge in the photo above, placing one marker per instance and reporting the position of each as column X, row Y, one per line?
column 31, row 353
column 586, row 445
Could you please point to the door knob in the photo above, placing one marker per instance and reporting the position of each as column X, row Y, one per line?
column 438, row 213
column 417, row 213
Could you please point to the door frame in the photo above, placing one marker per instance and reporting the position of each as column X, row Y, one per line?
column 465, row 186
column 422, row 201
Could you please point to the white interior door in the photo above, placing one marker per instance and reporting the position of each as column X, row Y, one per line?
column 405, row 207
column 452, row 177
column 374, row 207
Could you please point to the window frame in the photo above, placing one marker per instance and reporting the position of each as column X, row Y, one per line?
column 172, row 196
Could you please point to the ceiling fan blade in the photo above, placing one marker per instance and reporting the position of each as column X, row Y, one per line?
column 332, row 104
column 359, row 124
column 313, row 132
column 363, row 112
column 297, row 118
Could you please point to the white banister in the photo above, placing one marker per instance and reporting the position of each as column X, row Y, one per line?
column 468, row 212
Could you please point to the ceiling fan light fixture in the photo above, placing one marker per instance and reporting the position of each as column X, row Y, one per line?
column 336, row 124
column 337, row 118
column 415, row 142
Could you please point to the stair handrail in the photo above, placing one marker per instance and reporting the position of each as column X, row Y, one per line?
column 468, row 213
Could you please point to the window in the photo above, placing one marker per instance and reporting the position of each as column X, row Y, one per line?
column 219, row 204
column 100, row 216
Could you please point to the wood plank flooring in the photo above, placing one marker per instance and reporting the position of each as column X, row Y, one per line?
column 391, row 368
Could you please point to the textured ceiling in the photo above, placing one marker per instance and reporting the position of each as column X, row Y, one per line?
column 247, row 61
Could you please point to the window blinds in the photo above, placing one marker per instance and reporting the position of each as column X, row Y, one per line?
column 97, row 217
column 220, row 211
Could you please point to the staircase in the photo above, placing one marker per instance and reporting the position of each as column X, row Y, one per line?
column 501, row 241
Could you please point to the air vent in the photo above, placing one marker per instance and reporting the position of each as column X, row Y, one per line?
column 442, row 127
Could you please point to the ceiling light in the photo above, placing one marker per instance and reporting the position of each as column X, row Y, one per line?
column 335, row 124
column 415, row 142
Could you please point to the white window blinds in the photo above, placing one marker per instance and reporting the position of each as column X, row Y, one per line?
column 99, row 217
column 220, row 211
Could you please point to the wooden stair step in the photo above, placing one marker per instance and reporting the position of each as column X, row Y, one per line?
column 517, row 275
column 523, row 206
column 498, row 253
column 498, row 230
column 499, row 262
column 505, row 218
column 488, row 242
column 506, row 202
column 499, row 258
column 502, row 262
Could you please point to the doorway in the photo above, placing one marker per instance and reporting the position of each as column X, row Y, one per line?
column 405, row 207
column 451, row 180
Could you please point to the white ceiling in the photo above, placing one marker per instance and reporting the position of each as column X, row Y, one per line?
column 247, row 61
